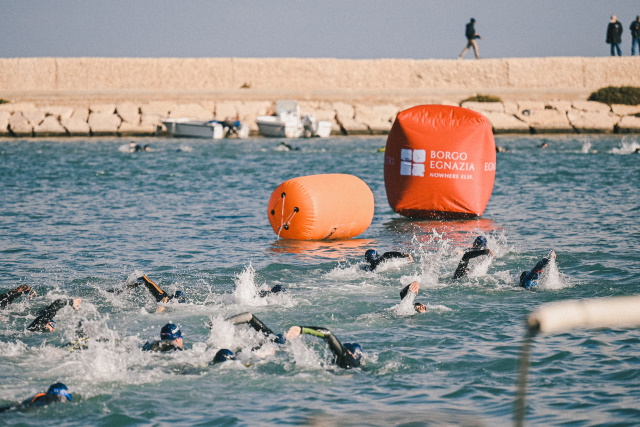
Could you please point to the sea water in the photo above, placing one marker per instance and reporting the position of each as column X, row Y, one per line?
column 80, row 217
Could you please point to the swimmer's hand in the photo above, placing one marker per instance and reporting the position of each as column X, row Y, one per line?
column 552, row 254
column 414, row 287
column 76, row 303
column 409, row 256
column 22, row 288
column 293, row 332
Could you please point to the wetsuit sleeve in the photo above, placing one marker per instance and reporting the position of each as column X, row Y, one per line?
column 404, row 291
column 334, row 345
column 462, row 269
column 158, row 294
column 253, row 321
column 385, row 256
column 9, row 297
column 45, row 316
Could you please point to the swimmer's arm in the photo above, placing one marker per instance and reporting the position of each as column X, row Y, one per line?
column 334, row 345
column 12, row 295
column 389, row 255
column 412, row 288
column 45, row 316
column 252, row 320
column 158, row 294
column 461, row 270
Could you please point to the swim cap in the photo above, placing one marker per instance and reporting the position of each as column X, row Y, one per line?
column 170, row 332
column 480, row 242
column 279, row 339
column 371, row 255
column 60, row 389
column 223, row 355
column 179, row 295
column 355, row 350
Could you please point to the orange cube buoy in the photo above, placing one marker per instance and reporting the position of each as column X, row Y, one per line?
column 319, row 207
column 440, row 162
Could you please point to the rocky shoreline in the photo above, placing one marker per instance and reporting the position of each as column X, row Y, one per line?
column 130, row 119
column 130, row 96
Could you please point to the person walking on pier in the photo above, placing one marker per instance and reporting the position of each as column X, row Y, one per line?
column 470, row 33
column 635, row 35
column 614, row 35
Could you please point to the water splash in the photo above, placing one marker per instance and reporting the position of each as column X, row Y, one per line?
column 628, row 145
column 246, row 290
column 552, row 279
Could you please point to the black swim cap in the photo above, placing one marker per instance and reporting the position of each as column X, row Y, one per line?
column 223, row 355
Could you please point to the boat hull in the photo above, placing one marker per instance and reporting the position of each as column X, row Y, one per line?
column 194, row 129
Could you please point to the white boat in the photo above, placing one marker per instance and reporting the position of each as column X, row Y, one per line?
column 211, row 129
column 287, row 123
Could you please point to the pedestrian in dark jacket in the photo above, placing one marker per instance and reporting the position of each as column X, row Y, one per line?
column 635, row 35
column 614, row 35
column 471, row 35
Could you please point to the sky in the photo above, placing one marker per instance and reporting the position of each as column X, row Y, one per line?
column 345, row 29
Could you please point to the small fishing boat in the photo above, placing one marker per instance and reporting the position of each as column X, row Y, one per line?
column 211, row 129
column 286, row 122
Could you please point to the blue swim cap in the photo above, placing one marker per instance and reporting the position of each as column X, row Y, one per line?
column 179, row 295
column 279, row 339
column 60, row 389
column 223, row 355
column 371, row 255
column 355, row 349
column 480, row 242
column 170, row 332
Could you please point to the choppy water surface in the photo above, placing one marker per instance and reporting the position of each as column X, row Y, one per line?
column 79, row 217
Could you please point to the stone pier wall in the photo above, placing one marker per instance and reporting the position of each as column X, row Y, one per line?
column 129, row 96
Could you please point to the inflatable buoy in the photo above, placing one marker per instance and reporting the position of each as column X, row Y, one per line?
column 318, row 207
column 440, row 162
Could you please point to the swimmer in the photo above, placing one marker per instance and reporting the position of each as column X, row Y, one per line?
column 10, row 296
column 274, row 290
column 479, row 248
column 411, row 292
column 133, row 147
column 171, row 339
column 283, row 146
column 160, row 295
column 257, row 325
column 544, row 145
column 346, row 356
column 57, row 393
column 374, row 260
column 44, row 321
column 223, row 355
column 529, row 279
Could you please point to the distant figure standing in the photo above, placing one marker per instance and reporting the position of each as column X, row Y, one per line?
column 470, row 33
column 635, row 35
column 614, row 35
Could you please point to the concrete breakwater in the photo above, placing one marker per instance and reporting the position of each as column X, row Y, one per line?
column 130, row 96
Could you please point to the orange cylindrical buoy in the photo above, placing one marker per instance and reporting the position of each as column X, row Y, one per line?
column 440, row 162
column 318, row 207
